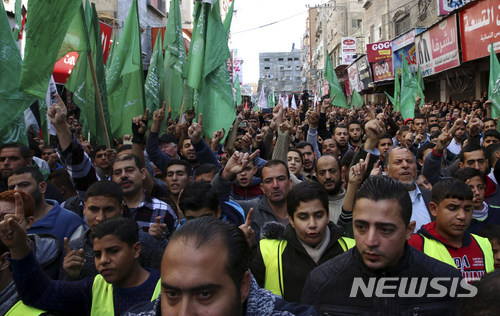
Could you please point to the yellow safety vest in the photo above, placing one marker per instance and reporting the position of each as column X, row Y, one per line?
column 21, row 309
column 102, row 296
column 272, row 251
column 437, row 250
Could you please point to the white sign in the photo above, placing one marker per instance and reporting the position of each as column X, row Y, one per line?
column 237, row 70
column 348, row 50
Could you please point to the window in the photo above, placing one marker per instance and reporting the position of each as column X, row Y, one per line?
column 380, row 32
column 296, row 58
column 290, row 59
column 158, row 6
column 402, row 24
column 356, row 23
column 267, row 68
column 267, row 59
column 280, row 59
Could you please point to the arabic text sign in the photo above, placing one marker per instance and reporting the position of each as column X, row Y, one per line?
column 409, row 54
column 348, row 50
column 437, row 48
column 379, row 51
column 479, row 27
column 364, row 73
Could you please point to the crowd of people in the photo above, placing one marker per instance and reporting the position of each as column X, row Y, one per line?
column 318, row 210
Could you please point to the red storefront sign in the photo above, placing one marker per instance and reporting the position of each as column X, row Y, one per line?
column 379, row 51
column 479, row 27
column 382, row 70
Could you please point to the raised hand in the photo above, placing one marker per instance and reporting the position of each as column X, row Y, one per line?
column 73, row 260
column 140, row 124
column 158, row 229
column 57, row 112
column 237, row 164
column 357, row 171
column 158, row 117
column 13, row 230
column 194, row 131
column 247, row 229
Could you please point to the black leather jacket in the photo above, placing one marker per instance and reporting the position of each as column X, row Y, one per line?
column 329, row 286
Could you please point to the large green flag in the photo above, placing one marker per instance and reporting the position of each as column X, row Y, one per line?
column 215, row 96
column 47, row 23
column 124, row 77
column 153, row 87
column 409, row 91
column 229, row 18
column 356, row 100
column 197, row 49
column 12, row 127
column 175, row 61
column 335, row 88
column 76, row 38
column 494, row 84
column 237, row 89
column 18, row 19
column 81, row 82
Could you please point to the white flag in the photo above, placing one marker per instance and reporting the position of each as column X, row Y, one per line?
column 262, row 100
column 294, row 105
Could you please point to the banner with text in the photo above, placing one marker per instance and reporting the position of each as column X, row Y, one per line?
column 352, row 72
column 437, row 48
column 348, row 50
column 479, row 27
column 446, row 6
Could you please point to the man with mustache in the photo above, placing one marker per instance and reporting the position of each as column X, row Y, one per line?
column 275, row 184
column 328, row 173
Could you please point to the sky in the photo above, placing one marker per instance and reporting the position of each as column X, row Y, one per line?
column 278, row 37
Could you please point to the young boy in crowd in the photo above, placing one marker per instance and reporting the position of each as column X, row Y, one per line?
column 492, row 232
column 282, row 264
column 447, row 239
column 122, row 282
column 484, row 214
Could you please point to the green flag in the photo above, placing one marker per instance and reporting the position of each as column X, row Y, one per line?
column 270, row 100
column 76, row 36
column 397, row 87
column 197, row 49
column 12, row 127
column 175, row 61
column 153, row 88
column 420, row 86
column 409, row 91
column 111, row 51
column 335, row 88
column 356, row 100
column 81, row 82
column 18, row 19
column 215, row 96
column 229, row 19
column 237, row 89
column 47, row 23
column 124, row 78
column 494, row 84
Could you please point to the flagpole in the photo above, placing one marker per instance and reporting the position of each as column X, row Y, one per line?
column 98, row 97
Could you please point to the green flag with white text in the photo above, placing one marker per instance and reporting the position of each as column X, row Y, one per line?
column 153, row 88
column 46, row 26
column 335, row 88
column 124, row 77
column 12, row 126
column 175, row 61
column 215, row 96
column 494, row 84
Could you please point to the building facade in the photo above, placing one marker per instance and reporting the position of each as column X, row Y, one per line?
column 280, row 72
